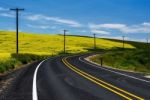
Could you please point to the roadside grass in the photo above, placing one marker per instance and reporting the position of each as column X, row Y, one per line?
column 13, row 61
column 133, row 60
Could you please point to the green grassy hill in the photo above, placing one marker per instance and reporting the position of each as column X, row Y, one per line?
column 137, row 59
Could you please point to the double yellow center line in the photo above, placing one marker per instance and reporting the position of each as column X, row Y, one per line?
column 126, row 95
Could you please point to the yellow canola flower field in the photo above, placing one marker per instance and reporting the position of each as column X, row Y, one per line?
column 49, row 44
column 4, row 56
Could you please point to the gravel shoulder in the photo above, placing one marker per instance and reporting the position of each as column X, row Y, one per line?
column 8, row 79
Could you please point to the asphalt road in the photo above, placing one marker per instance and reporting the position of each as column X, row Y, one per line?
column 73, row 78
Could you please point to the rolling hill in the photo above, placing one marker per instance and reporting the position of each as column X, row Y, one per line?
column 38, row 46
column 39, row 43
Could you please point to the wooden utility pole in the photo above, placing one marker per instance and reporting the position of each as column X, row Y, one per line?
column 65, row 41
column 17, row 10
column 94, row 41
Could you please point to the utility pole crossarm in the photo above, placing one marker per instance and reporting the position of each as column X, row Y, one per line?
column 17, row 9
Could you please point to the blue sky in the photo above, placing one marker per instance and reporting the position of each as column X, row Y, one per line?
column 106, row 18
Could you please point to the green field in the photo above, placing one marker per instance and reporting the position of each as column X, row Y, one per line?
column 36, row 45
column 137, row 59
column 133, row 60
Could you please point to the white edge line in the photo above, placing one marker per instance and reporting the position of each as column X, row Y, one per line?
column 34, row 87
column 114, row 71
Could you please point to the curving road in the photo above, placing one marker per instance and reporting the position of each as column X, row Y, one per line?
column 73, row 78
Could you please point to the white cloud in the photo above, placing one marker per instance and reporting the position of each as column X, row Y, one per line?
column 111, row 26
column 10, row 15
column 146, row 23
column 140, row 28
column 99, row 32
column 135, row 29
column 56, row 19
column 41, row 26
column 5, row 12
column 35, row 17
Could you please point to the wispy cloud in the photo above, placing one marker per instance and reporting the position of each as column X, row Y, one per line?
column 140, row 28
column 112, row 26
column 56, row 19
column 99, row 32
column 146, row 23
column 41, row 26
column 7, row 14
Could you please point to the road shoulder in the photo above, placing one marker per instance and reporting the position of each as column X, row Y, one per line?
column 8, row 81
